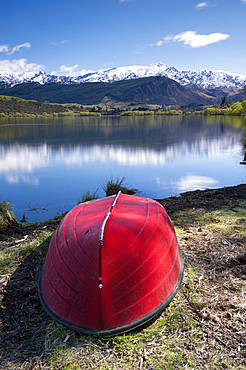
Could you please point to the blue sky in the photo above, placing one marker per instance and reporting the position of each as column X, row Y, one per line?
column 75, row 36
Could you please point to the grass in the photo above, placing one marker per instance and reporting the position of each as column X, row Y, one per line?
column 114, row 186
column 226, row 219
column 87, row 196
column 12, row 257
column 6, row 213
column 202, row 328
column 111, row 187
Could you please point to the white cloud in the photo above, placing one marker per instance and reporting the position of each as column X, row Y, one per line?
column 193, row 39
column 122, row 1
column 70, row 71
column 201, row 5
column 57, row 43
column 18, row 47
column 84, row 72
column 4, row 48
column 165, row 40
column 244, row 1
column 66, row 71
column 19, row 66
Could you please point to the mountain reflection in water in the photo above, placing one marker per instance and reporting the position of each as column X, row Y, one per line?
column 53, row 161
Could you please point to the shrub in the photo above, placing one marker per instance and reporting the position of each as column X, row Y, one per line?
column 235, row 109
column 87, row 196
column 226, row 112
column 211, row 111
column 6, row 213
column 113, row 187
column 173, row 112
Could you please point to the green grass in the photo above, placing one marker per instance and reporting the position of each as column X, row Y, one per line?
column 87, row 196
column 156, row 345
column 12, row 257
column 225, row 219
column 12, row 106
column 114, row 186
column 6, row 213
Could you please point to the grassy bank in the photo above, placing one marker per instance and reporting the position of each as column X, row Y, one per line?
column 203, row 327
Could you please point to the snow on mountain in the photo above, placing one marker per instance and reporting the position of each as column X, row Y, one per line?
column 10, row 79
column 125, row 73
column 206, row 79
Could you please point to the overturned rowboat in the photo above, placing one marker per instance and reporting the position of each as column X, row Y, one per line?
column 112, row 265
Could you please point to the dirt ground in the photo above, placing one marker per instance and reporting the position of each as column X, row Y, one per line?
column 220, row 286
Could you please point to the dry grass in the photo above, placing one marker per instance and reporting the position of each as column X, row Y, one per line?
column 204, row 327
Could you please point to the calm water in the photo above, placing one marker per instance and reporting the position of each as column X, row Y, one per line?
column 49, row 162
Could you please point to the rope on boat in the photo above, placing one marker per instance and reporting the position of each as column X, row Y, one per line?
column 107, row 216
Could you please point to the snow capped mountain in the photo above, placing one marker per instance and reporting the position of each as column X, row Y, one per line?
column 205, row 79
column 125, row 73
column 10, row 79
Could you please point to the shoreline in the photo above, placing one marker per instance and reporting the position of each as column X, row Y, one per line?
column 207, row 199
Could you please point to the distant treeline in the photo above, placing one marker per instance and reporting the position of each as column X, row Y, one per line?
column 236, row 109
column 158, row 112
column 17, row 107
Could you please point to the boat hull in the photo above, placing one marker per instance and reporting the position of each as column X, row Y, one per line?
column 112, row 265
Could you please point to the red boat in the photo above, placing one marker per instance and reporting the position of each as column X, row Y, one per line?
column 112, row 265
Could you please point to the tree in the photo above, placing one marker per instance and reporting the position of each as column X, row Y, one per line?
column 223, row 102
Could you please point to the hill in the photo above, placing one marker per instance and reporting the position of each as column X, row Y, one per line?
column 12, row 105
column 151, row 90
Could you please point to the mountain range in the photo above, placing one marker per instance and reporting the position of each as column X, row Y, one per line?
column 155, row 83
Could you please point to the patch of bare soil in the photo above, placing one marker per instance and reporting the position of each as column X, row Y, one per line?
column 218, row 301
column 17, row 233
column 208, row 199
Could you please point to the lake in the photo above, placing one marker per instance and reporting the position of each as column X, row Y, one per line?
column 46, row 164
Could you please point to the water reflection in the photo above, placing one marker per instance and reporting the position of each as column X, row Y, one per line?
column 193, row 182
column 55, row 160
column 15, row 158
column 24, row 158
